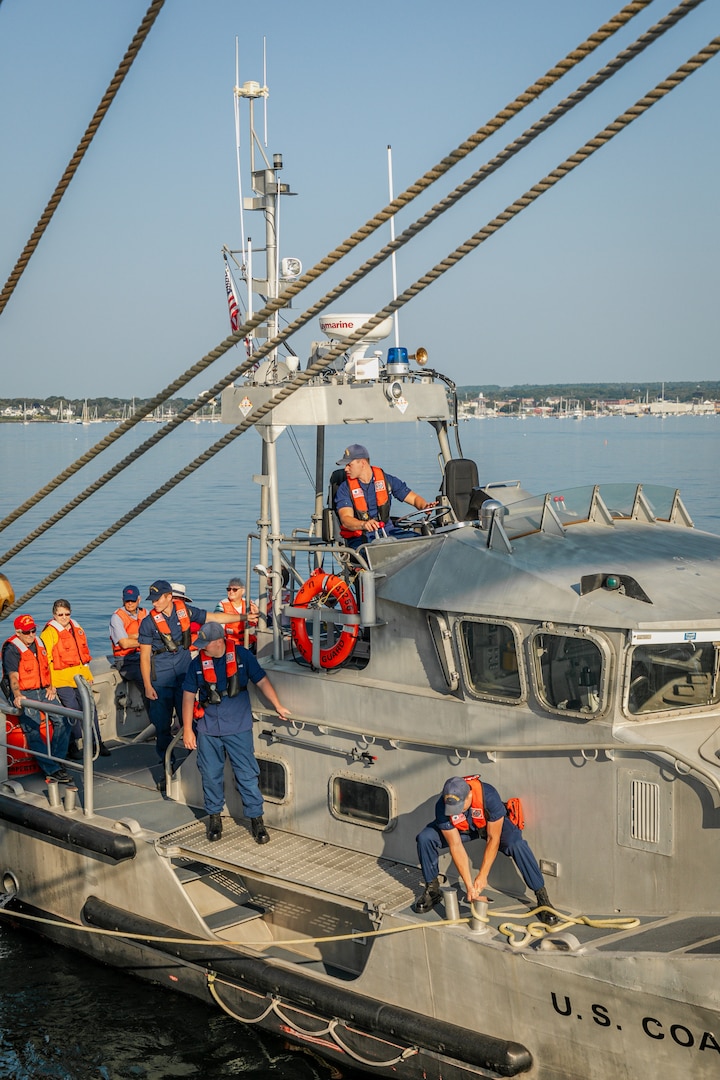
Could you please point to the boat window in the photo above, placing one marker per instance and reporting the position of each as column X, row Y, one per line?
column 568, row 672
column 573, row 505
column 273, row 779
column 442, row 640
column 680, row 675
column 490, row 652
column 362, row 801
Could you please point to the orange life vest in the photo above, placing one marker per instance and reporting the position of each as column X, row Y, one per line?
column 477, row 808
column 34, row 669
column 183, row 618
column 131, row 624
column 71, row 648
column 236, row 631
column 360, row 508
column 231, row 669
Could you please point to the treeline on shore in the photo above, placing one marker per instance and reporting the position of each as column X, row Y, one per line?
column 587, row 394
column 102, row 408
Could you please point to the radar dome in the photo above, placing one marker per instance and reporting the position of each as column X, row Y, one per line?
column 342, row 327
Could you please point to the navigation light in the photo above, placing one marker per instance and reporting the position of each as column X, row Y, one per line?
column 397, row 361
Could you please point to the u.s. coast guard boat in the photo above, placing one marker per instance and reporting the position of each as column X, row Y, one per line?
column 564, row 645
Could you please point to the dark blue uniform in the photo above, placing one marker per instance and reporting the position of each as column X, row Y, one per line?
column 431, row 840
column 226, row 728
column 397, row 489
column 168, row 672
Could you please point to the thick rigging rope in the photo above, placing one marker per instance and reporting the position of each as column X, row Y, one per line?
column 489, row 128
column 563, row 107
column 73, row 165
column 508, row 214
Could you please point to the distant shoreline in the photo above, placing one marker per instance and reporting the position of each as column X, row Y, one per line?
column 660, row 409
column 553, row 400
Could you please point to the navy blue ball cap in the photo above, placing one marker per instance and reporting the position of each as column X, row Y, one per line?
column 211, row 631
column 454, row 793
column 159, row 588
column 353, row 452
column 131, row 592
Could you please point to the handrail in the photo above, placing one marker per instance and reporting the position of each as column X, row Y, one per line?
column 492, row 751
column 33, row 705
column 88, row 705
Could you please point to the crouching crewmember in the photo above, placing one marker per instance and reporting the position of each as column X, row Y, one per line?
column 467, row 810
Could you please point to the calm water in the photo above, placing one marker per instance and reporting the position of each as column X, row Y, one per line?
column 62, row 1016
column 196, row 534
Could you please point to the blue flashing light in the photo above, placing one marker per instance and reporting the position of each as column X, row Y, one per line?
column 398, row 356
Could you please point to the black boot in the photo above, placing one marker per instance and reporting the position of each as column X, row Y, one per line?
column 543, row 900
column 430, row 896
column 74, row 753
column 103, row 750
column 262, row 836
column 214, row 827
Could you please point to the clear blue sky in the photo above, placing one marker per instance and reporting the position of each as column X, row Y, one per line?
column 611, row 276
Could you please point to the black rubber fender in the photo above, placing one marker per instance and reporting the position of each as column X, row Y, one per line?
column 69, row 829
column 501, row 1056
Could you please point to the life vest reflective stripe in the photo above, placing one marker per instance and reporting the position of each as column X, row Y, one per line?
column 34, row 669
column 326, row 587
column 131, row 623
column 71, row 648
column 360, row 507
column 237, row 630
column 477, row 807
column 183, row 618
column 231, row 669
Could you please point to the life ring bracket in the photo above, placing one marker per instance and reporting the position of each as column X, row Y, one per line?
column 310, row 606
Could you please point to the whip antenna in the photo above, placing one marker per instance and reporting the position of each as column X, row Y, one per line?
column 236, row 102
column 393, row 264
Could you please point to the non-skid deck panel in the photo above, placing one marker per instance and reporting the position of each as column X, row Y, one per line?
column 231, row 916
column 692, row 934
column 303, row 861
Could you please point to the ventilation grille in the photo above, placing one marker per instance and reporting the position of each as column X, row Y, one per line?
column 645, row 812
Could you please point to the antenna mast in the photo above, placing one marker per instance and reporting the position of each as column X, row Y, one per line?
column 392, row 237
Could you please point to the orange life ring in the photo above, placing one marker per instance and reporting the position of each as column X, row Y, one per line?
column 326, row 585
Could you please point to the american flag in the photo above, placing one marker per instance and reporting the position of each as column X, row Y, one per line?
column 232, row 300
